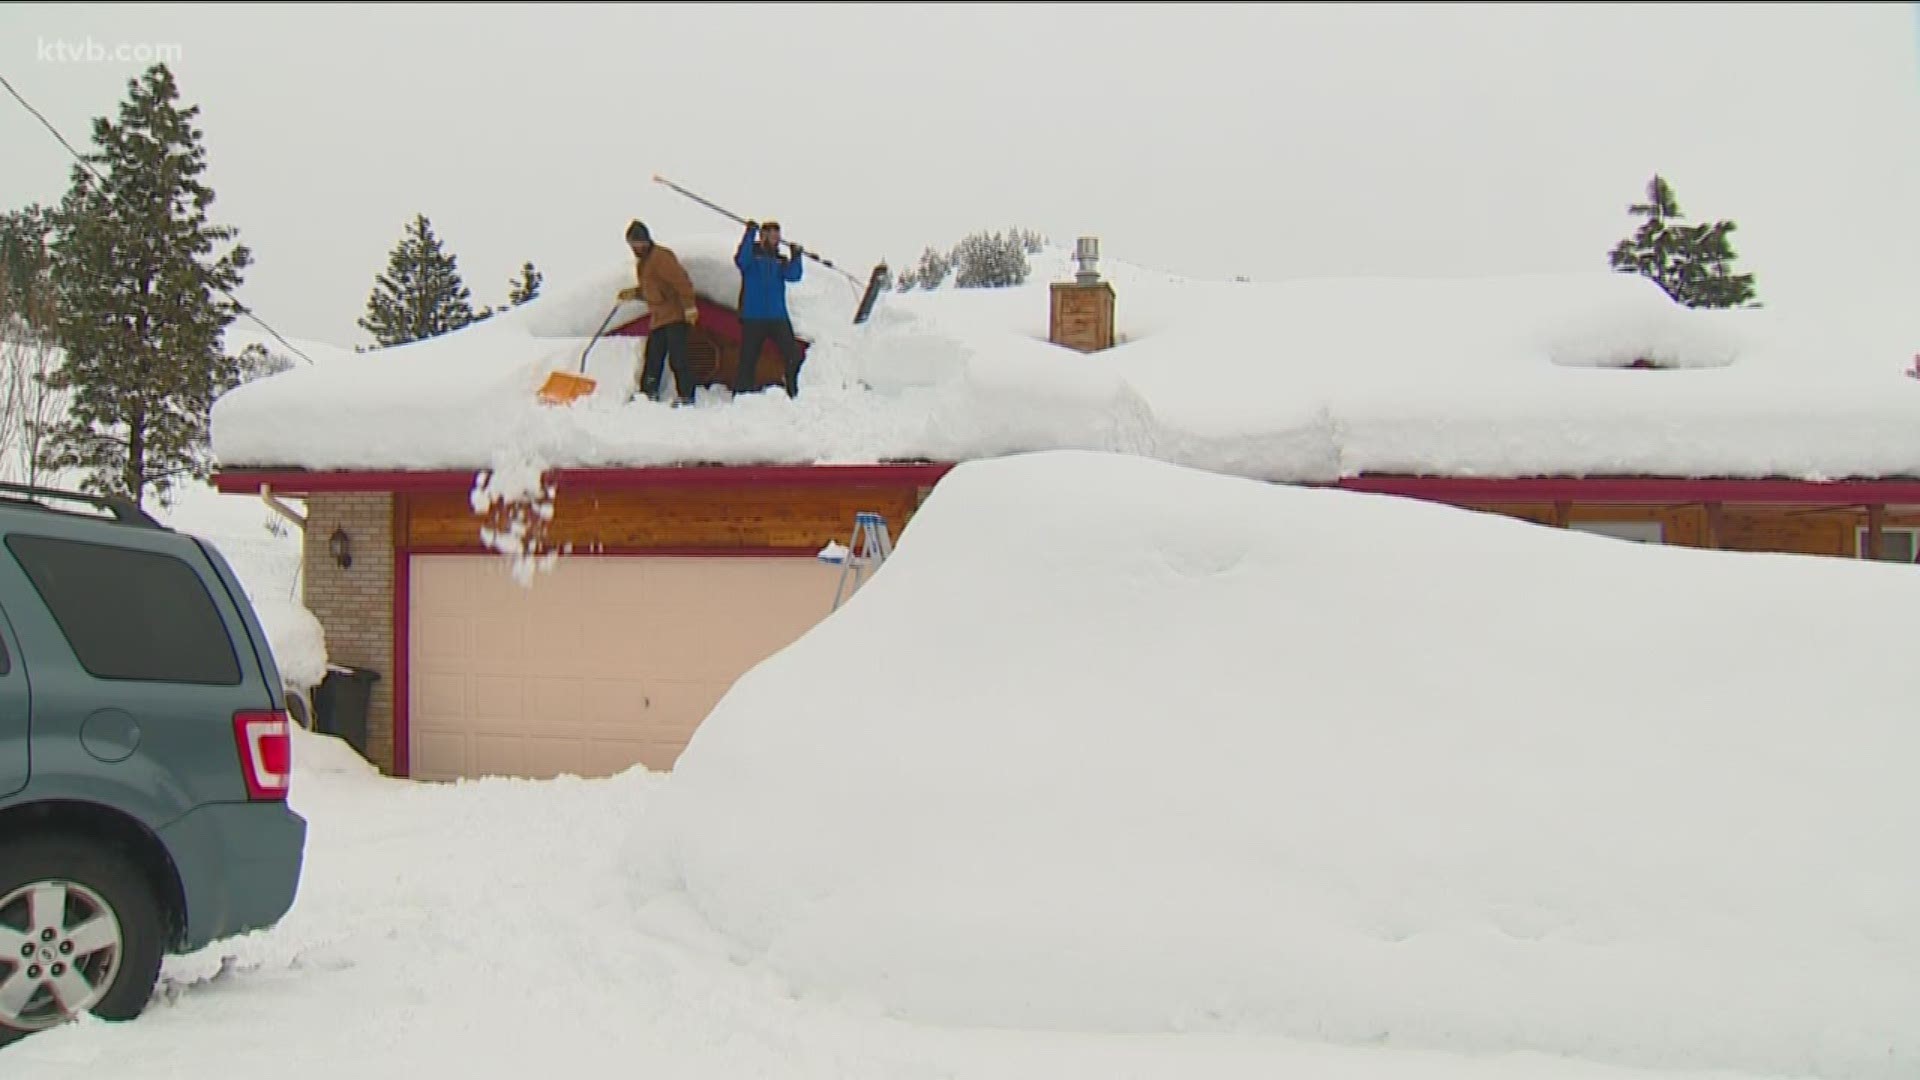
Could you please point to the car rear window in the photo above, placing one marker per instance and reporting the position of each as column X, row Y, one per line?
column 135, row 615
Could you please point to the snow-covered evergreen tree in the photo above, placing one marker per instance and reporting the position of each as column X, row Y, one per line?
column 140, row 301
column 933, row 269
column 990, row 261
column 526, row 286
column 420, row 295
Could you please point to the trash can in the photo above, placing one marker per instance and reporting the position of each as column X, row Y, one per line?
column 340, row 704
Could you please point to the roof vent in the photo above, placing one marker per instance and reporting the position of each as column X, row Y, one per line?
column 1087, row 252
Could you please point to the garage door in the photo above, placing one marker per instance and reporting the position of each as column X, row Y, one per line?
column 603, row 663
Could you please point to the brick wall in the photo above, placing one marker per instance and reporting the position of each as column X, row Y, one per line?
column 355, row 604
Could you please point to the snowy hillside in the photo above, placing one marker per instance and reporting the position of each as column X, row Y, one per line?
column 1221, row 756
column 1300, row 380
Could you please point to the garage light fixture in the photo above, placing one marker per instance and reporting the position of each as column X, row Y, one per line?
column 341, row 548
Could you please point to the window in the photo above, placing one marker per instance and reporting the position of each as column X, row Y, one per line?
column 136, row 615
column 1644, row 532
column 1896, row 545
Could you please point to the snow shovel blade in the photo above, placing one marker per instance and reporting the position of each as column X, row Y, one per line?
column 565, row 388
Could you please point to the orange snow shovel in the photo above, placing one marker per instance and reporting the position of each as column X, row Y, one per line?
column 565, row 387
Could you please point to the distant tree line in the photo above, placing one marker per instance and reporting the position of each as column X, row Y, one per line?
column 983, row 260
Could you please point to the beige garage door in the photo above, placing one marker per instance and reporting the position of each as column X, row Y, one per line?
column 605, row 662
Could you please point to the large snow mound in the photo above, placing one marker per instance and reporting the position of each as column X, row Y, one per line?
column 1295, row 380
column 1111, row 745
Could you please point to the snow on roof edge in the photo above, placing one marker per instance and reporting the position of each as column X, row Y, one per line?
column 1443, row 377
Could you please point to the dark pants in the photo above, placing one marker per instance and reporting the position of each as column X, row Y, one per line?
column 753, row 335
column 668, row 344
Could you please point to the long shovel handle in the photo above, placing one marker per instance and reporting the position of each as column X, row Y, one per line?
column 737, row 219
column 596, row 334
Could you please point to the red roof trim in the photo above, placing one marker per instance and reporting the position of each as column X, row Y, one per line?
column 1636, row 489
column 1446, row 489
column 296, row 482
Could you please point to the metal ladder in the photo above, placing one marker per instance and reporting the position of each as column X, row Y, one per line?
column 868, row 548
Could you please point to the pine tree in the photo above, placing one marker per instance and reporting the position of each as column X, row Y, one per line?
column 141, row 303
column 1691, row 263
column 526, row 286
column 990, row 261
column 933, row 269
column 420, row 295
column 24, row 235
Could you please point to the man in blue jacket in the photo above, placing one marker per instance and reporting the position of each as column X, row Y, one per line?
column 764, row 275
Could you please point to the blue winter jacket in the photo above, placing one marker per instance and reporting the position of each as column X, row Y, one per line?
column 763, row 279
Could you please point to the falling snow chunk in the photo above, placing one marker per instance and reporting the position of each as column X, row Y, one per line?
column 516, row 503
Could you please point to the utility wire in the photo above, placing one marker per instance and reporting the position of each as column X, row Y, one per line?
column 77, row 156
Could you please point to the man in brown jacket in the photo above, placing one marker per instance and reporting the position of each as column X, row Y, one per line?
column 671, row 310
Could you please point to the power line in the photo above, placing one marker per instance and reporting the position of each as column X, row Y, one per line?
column 88, row 165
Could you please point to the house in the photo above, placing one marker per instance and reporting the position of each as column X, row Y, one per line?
column 570, row 590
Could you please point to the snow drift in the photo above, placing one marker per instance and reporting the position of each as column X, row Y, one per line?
column 1110, row 745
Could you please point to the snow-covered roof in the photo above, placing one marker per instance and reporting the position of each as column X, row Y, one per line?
column 1306, row 381
column 243, row 332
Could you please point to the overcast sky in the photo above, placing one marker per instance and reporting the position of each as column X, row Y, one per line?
column 1268, row 140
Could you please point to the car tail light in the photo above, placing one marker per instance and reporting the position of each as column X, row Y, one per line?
column 265, row 741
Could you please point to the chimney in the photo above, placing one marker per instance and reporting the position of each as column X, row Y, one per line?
column 1082, row 317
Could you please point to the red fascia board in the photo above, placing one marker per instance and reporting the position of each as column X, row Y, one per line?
column 623, row 552
column 1446, row 489
column 295, row 482
column 1638, row 489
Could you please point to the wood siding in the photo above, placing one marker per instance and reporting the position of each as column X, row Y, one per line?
column 801, row 517
column 1790, row 530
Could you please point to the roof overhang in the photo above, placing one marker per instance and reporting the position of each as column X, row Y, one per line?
column 1641, row 490
column 295, row 483
column 1619, row 490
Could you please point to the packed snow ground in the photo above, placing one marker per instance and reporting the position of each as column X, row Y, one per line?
column 503, row 929
column 1295, row 380
column 1257, row 788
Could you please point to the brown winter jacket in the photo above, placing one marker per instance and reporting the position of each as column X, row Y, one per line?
column 664, row 287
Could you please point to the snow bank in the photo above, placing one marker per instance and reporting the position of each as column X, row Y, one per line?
column 1109, row 745
column 392, row 965
column 298, row 642
column 328, row 761
column 1295, row 380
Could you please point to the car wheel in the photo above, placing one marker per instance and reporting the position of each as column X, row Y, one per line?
column 80, row 932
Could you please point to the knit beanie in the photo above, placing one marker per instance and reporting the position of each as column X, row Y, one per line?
column 638, row 232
